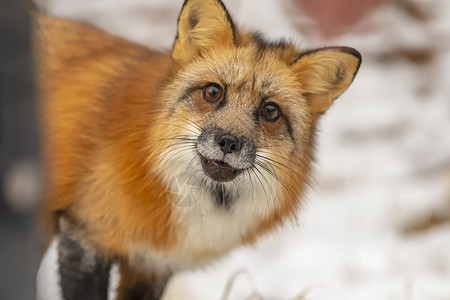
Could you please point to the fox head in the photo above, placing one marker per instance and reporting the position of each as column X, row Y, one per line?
column 218, row 134
column 241, row 112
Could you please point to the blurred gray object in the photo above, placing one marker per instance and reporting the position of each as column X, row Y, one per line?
column 19, row 153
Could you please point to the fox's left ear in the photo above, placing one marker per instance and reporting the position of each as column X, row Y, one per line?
column 202, row 24
column 325, row 74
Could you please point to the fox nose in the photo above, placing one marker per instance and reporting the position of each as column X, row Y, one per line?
column 228, row 143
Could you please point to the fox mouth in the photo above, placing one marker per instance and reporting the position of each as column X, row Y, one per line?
column 218, row 170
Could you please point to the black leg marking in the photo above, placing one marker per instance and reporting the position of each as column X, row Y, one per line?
column 84, row 275
column 143, row 291
column 136, row 286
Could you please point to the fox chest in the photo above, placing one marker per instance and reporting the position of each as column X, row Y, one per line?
column 209, row 226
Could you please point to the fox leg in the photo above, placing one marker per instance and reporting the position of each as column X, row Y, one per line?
column 136, row 286
column 68, row 271
column 84, row 274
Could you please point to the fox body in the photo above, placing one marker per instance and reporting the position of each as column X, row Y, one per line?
column 158, row 162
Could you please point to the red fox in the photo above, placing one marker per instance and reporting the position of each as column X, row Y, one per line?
column 158, row 162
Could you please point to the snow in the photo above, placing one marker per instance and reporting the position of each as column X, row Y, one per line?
column 368, row 228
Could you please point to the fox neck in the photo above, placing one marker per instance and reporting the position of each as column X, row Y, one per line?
column 216, row 217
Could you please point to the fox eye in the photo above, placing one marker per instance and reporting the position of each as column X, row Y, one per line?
column 212, row 92
column 270, row 111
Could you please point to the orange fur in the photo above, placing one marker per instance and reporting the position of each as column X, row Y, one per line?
column 111, row 111
column 84, row 91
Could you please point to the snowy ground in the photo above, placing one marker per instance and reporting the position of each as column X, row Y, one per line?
column 377, row 224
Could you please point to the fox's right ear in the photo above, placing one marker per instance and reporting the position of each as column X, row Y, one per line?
column 325, row 74
column 202, row 24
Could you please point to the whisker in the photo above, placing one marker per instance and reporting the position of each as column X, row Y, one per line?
column 276, row 177
column 191, row 161
column 196, row 125
column 180, row 145
column 279, row 164
column 179, row 137
column 251, row 183
column 181, row 142
column 182, row 127
column 266, row 180
column 260, row 182
column 271, row 153
column 166, row 160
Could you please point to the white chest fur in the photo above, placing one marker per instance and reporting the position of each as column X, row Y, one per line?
column 209, row 228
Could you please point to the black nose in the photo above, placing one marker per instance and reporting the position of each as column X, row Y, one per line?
column 228, row 143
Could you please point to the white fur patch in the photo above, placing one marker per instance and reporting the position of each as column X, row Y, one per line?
column 114, row 281
column 47, row 281
column 206, row 226
column 209, row 227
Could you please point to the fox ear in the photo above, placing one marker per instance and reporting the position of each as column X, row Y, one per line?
column 202, row 24
column 326, row 73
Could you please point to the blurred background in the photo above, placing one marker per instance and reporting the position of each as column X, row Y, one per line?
column 19, row 155
column 375, row 225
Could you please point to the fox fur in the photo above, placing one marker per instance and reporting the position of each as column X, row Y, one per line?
column 146, row 170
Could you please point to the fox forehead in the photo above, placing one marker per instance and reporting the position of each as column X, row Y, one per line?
column 249, row 75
